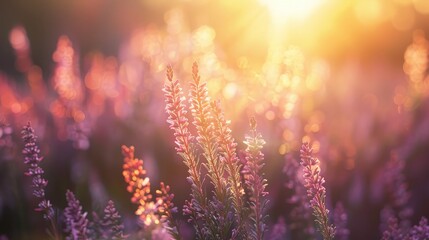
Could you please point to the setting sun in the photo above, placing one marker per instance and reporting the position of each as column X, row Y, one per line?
column 283, row 10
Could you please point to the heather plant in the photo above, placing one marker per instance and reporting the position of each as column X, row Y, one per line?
column 395, row 216
column 111, row 223
column 416, row 232
column 255, row 181
column 33, row 159
column 166, row 209
column 139, row 185
column 316, row 192
column 299, row 220
column 108, row 226
column 340, row 222
column 156, row 215
column 279, row 230
column 224, row 215
column 227, row 151
column 397, row 192
column 76, row 222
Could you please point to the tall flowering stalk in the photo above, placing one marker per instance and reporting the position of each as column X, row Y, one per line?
column 175, row 108
column 203, row 121
column 139, row 185
column 395, row 216
column 153, row 214
column 300, row 222
column 397, row 190
column 316, row 192
column 227, row 150
column 420, row 231
column 255, row 181
column 279, row 230
column 219, row 221
column 33, row 159
column 166, row 208
column 196, row 208
column 395, row 232
column 76, row 222
column 112, row 223
column 340, row 221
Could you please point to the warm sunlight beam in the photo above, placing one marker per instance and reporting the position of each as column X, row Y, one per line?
column 283, row 10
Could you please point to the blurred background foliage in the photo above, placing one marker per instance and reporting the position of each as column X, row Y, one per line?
column 351, row 76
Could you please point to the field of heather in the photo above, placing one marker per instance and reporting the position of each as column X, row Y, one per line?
column 183, row 119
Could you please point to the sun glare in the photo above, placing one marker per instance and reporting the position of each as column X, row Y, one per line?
column 284, row 10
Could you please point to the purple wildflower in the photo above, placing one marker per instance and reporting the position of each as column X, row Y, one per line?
column 112, row 224
column 300, row 222
column 75, row 221
column 397, row 191
column 340, row 222
column 175, row 108
column 203, row 121
column 255, row 181
column 32, row 158
column 227, row 150
column 393, row 232
column 420, row 231
column 279, row 230
column 138, row 184
column 316, row 191
column 166, row 209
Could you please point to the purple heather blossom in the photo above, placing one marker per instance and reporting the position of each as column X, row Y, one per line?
column 33, row 159
column 393, row 230
column 340, row 222
column 397, row 190
column 279, row 230
column 166, row 209
column 300, row 218
column 112, row 223
column 316, row 192
column 203, row 122
column 175, row 108
column 76, row 222
column 420, row 231
column 227, row 150
column 255, row 182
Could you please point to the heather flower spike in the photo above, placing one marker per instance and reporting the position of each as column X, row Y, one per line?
column 300, row 224
column 340, row 221
column 76, row 222
column 255, row 181
column 203, row 121
column 279, row 230
column 397, row 190
column 112, row 223
column 395, row 232
column 227, row 150
column 139, row 185
column 197, row 207
column 175, row 108
column 33, row 159
column 420, row 231
column 166, row 208
column 316, row 191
